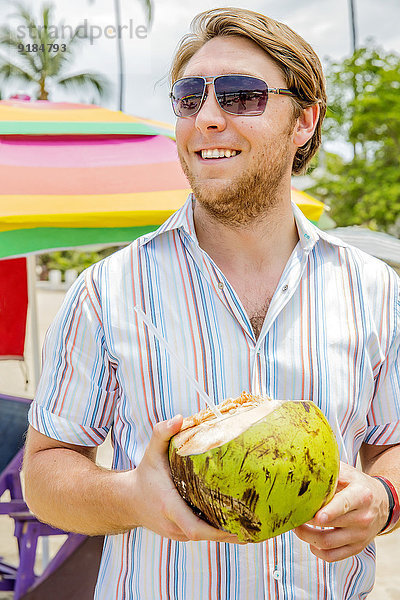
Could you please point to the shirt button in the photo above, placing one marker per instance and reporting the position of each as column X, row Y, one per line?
column 220, row 285
column 276, row 574
column 285, row 288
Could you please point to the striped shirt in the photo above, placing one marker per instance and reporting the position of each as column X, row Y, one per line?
column 331, row 335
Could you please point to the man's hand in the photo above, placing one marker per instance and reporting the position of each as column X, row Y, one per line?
column 355, row 515
column 156, row 503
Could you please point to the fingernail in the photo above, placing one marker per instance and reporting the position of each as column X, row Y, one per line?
column 323, row 518
column 173, row 421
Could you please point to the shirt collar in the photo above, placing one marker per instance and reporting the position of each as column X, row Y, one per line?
column 309, row 234
column 181, row 219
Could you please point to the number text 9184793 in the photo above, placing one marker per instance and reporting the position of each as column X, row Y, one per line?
column 41, row 48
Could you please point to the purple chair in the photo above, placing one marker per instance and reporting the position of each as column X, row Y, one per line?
column 72, row 572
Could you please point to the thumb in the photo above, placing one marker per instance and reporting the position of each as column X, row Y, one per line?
column 163, row 431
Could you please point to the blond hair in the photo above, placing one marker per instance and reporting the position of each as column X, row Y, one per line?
column 296, row 59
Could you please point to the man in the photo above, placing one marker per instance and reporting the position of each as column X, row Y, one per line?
column 252, row 297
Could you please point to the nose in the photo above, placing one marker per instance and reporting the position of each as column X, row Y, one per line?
column 210, row 115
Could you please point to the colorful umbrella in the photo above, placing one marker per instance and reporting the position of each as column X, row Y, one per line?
column 311, row 207
column 65, row 118
column 75, row 174
column 65, row 184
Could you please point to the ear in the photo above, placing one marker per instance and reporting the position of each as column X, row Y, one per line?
column 305, row 125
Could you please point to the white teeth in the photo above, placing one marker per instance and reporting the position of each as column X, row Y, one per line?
column 218, row 153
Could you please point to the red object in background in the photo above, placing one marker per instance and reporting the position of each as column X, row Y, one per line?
column 20, row 96
column 13, row 308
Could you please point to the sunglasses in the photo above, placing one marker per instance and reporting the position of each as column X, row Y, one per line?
column 236, row 94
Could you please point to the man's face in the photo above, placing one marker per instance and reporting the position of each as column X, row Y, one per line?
column 238, row 189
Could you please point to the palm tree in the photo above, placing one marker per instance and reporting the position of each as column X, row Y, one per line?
column 354, row 48
column 44, row 65
column 149, row 16
column 147, row 4
column 353, row 26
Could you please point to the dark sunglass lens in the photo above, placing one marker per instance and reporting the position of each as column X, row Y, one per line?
column 186, row 96
column 241, row 95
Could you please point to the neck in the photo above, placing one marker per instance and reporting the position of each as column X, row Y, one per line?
column 262, row 245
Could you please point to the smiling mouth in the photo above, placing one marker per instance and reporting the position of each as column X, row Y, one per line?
column 227, row 155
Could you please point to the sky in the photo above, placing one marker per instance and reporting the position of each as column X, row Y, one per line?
column 147, row 54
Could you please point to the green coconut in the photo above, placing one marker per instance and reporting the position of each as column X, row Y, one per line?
column 262, row 469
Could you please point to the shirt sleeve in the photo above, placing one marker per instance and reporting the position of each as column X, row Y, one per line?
column 78, row 388
column 384, row 416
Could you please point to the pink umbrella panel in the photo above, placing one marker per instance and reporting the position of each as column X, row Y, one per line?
column 59, row 192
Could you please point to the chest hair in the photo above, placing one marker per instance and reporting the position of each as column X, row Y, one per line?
column 257, row 313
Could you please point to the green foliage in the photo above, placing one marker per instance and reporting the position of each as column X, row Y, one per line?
column 44, row 65
column 71, row 259
column 364, row 109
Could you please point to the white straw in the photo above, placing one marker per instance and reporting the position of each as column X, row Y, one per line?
column 192, row 380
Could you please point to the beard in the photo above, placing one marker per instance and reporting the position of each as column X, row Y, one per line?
column 250, row 195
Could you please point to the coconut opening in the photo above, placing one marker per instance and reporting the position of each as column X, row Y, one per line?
column 204, row 431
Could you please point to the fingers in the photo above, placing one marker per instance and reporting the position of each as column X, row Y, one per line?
column 331, row 544
column 156, row 494
column 350, row 499
column 196, row 529
column 190, row 525
column 162, row 433
column 348, row 521
column 346, row 473
column 341, row 504
column 351, row 494
column 191, row 528
column 177, row 521
column 336, row 554
column 323, row 538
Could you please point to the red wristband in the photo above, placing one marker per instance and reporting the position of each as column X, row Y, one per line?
column 394, row 505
